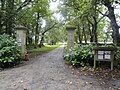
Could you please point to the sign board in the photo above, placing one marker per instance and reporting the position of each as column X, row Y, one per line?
column 104, row 55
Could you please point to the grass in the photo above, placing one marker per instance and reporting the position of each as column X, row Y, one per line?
column 38, row 51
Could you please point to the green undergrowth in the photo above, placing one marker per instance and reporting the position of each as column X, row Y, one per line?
column 83, row 55
column 9, row 51
column 38, row 51
column 79, row 55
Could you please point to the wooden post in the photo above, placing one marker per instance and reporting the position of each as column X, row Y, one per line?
column 95, row 57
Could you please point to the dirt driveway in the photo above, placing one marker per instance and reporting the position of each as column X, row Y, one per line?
column 49, row 72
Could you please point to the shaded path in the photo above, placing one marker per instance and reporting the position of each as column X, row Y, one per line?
column 47, row 72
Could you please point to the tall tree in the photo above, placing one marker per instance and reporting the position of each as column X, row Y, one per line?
column 49, row 26
column 109, row 4
column 9, row 10
column 10, row 16
column 2, row 15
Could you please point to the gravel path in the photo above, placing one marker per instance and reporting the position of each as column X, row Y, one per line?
column 47, row 72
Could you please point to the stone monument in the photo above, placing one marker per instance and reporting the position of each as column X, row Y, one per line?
column 70, row 37
column 21, row 39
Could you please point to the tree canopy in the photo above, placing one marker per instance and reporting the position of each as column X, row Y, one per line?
column 95, row 20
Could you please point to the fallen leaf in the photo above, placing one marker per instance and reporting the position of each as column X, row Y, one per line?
column 14, row 84
column 90, row 82
column 72, row 72
column 25, row 89
column 70, row 82
column 91, row 74
column 21, row 81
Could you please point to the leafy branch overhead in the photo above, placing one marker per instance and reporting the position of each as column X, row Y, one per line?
column 23, row 4
column 47, row 28
column 92, row 13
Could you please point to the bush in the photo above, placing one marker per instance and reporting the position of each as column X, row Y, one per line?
column 9, row 51
column 79, row 55
column 117, row 57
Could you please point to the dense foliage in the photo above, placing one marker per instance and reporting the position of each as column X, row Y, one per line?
column 117, row 55
column 9, row 51
column 82, row 55
column 91, row 19
column 79, row 55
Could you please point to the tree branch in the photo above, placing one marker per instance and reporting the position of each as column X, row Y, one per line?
column 100, row 19
column 49, row 28
column 103, row 13
column 89, row 21
column 102, row 16
column 25, row 3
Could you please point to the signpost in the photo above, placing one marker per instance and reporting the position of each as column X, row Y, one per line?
column 104, row 54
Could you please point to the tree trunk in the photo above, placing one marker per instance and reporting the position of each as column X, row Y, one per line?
column 91, row 33
column 41, row 41
column 37, row 30
column 79, row 35
column 0, row 24
column 29, row 38
column 10, row 18
column 95, row 30
column 1, row 15
column 84, row 34
column 114, row 24
column 42, row 35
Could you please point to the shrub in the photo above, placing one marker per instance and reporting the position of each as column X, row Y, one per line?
column 117, row 58
column 79, row 55
column 9, row 51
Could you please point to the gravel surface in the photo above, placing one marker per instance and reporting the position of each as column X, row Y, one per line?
column 49, row 72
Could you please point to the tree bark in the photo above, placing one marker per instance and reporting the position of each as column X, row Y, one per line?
column 37, row 30
column 10, row 19
column 114, row 24
column 84, row 33
column 79, row 35
column 42, row 35
column 1, row 14
column 91, row 32
column 29, row 38
column 41, row 41
column 95, row 30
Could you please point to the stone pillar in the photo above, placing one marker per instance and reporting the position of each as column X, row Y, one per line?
column 70, row 37
column 21, row 38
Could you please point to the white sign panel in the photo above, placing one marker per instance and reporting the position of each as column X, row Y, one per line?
column 108, row 52
column 107, row 56
column 19, row 40
column 19, row 44
column 100, row 52
column 100, row 56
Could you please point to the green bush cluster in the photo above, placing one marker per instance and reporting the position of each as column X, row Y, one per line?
column 117, row 55
column 79, row 55
column 9, row 51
